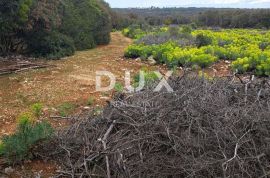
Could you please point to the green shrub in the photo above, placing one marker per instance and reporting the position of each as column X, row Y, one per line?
column 160, row 52
column 241, row 65
column 37, row 109
column 264, row 45
column 84, row 40
column 51, row 45
column 203, row 40
column 134, row 51
column 125, row 32
column 258, row 63
column 2, row 148
column 134, row 32
column 17, row 147
column 203, row 60
column 263, row 69
column 220, row 52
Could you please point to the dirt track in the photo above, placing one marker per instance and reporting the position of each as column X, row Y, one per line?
column 72, row 81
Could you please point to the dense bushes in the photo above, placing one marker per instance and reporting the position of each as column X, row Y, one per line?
column 258, row 63
column 172, row 55
column 248, row 49
column 53, row 29
column 52, row 45
column 86, row 23
column 203, row 40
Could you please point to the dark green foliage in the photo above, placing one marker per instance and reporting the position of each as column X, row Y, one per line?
column 12, row 15
column 53, row 45
column 264, row 45
column 53, row 28
column 17, row 147
column 86, row 22
column 203, row 40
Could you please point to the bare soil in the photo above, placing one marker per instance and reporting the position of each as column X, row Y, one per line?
column 71, row 81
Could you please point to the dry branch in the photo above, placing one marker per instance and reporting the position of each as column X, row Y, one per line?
column 203, row 129
column 21, row 66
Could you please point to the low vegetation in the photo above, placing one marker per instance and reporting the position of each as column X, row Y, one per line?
column 118, row 87
column 29, row 132
column 90, row 101
column 66, row 109
column 249, row 50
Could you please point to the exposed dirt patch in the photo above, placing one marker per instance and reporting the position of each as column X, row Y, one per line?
column 71, row 81
column 220, row 69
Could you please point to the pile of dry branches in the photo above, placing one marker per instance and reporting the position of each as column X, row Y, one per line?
column 205, row 128
column 16, row 64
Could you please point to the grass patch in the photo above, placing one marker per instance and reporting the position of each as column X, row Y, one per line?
column 90, row 101
column 119, row 87
column 65, row 109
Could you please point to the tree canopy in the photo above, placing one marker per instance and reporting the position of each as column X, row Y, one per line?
column 52, row 28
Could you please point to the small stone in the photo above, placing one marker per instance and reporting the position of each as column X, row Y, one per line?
column 9, row 170
column 151, row 60
column 138, row 59
column 86, row 108
column 105, row 98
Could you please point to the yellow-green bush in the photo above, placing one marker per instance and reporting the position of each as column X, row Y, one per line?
column 248, row 49
column 37, row 109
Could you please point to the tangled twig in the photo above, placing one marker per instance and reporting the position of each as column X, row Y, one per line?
column 204, row 128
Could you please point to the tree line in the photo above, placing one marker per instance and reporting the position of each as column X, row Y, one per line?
column 56, row 28
column 203, row 17
column 52, row 28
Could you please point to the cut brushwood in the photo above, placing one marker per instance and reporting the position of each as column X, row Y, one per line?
column 21, row 66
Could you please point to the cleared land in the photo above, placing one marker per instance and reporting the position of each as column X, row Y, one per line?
column 72, row 81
